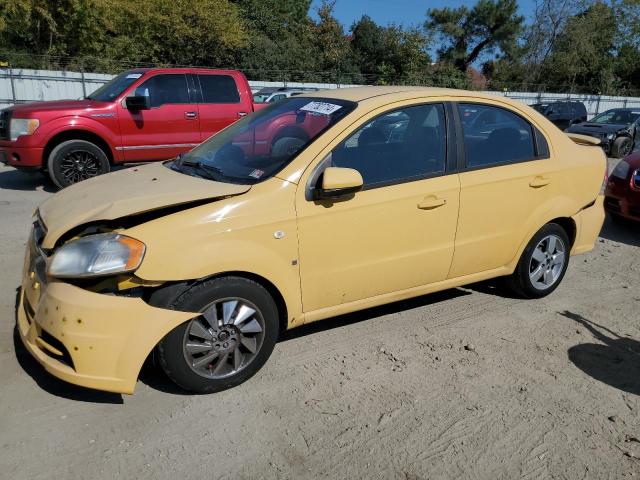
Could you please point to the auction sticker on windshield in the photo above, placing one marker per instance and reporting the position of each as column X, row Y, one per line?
column 321, row 107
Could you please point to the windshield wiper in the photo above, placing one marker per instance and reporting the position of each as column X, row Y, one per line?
column 210, row 171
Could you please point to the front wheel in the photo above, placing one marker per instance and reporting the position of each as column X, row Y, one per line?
column 622, row 146
column 543, row 263
column 225, row 345
column 76, row 160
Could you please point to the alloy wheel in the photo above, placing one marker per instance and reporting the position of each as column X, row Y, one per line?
column 225, row 339
column 79, row 165
column 547, row 262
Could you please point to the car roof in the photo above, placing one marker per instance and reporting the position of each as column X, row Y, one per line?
column 391, row 94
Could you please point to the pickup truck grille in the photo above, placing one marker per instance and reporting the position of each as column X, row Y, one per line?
column 5, row 120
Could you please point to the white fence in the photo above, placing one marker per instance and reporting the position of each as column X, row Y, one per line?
column 22, row 86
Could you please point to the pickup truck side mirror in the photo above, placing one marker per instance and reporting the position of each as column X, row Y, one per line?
column 575, row 121
column 339, row 182
column 138, row 102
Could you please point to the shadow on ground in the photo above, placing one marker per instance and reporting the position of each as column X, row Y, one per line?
column 368, row 314
column 19, row 180
column 616, row 363
column 625, row 232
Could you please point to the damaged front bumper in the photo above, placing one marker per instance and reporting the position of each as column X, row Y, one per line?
column 90, row 339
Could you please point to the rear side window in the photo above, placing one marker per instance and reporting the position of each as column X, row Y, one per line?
column 219, row 89
column 398, row 146
column 165, row 89
column 495, row 136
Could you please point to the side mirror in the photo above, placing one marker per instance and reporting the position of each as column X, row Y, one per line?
column 339, row 182
column 139, row 102
column 575, row 121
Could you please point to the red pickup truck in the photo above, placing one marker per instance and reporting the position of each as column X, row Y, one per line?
column 140, row 115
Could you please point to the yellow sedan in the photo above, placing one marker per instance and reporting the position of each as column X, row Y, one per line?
column 315, row 206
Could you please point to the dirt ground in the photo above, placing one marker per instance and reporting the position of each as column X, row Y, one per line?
column 468, row 383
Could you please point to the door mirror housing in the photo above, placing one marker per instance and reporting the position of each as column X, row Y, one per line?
column 138, row 102
column 339, row 182
column 575, row 121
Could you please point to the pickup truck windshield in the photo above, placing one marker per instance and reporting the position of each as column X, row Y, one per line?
column 260, row 145
column 110, row 91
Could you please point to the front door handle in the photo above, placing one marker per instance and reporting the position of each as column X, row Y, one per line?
column 430, row 203
column 190, row 115
column 539, row 182
column 242, row 114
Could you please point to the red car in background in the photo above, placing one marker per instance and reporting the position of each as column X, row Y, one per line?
column 622, row 195
column 140, row 115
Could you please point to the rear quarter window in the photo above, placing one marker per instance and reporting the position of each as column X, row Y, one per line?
column 219, row 89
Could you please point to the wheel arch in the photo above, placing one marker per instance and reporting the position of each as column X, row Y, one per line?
column 76, row 134
column 162, row 296
column 567, row 223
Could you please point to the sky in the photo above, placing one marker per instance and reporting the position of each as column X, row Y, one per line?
column 405, row 12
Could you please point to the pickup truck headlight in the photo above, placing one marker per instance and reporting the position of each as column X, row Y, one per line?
column 611, row 136
column 96, row 255
column 22, row 126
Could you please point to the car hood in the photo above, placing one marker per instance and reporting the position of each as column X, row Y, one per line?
column 595, row 128
column 127, row 192
column 57, row 105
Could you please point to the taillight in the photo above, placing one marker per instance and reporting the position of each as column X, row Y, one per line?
column 635, row 180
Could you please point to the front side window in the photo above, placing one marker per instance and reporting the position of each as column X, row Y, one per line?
column 219, row 89
column 495, row 136
column 402, row 145
column 165, row 89
column 261, row 144
column 111, row 90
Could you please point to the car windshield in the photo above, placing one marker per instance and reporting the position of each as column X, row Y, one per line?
column 258, row 146
column 111, row 90
column 616, row 117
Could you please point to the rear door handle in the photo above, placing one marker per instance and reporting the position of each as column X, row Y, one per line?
column 430, row 203
column 190, row 115
column 539, row 182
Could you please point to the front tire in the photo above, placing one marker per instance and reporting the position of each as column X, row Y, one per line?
column 622, row 146
column 543, row 263
column 76, row 160
column 228, row 343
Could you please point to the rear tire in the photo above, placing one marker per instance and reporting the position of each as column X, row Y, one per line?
column 76, row 160
column 622, row 146
column 228, row 343
column 542, row 264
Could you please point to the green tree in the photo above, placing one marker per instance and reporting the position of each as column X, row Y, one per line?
column 468, row 34
column 583, row 57
column 390, row 54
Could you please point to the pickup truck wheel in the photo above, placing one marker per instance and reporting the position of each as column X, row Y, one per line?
column 225, row 345
column 621, row 147
column 76, row 160
column 287, row 146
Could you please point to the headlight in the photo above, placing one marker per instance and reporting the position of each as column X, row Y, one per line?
column 621, row 170
column 96, row 255
column 611, row 136
column 22, row 126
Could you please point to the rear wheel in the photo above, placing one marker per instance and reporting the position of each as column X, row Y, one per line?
column 225, row 345
column 622, row 146
column 543, row 263
column 76, row 160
